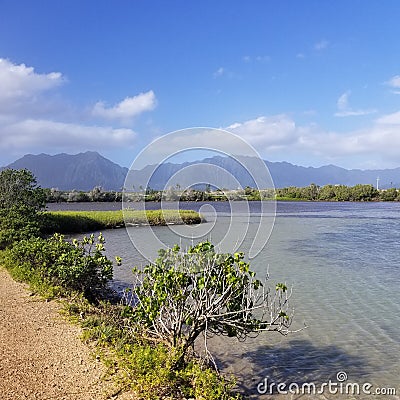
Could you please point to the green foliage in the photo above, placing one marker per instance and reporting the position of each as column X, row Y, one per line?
column 144, row 367
column 149, row 340
column 252, row 194
column 391, row 194
column 20, row 202
column 77, row 266
column 72, row 221
column 330, row 193
column 87, row 221
column 184, row 294
column 97, row 194
column 18, row 188
column 150, row 370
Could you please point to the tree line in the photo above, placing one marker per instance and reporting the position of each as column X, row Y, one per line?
column 312, row 192
column 359, row 192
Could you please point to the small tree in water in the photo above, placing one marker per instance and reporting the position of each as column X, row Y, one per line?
column 185, row 294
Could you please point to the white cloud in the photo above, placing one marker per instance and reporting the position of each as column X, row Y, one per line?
column 394, row 83
column 344, row 109
column 390, row 119
column 259, row 59
column 279, row 137
column 343, row 101
column 219, row 72
column 22, row 82
column 321, row 45
column 31, row 120
column 274, row 131
column 28, row 134
column 127, row 108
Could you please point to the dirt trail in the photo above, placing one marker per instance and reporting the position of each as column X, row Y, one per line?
column 41, row 355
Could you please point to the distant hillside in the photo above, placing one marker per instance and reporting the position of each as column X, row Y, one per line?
column 81, row 171
column 284, row 174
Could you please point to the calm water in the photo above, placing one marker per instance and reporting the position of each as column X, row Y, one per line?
column 342, row 260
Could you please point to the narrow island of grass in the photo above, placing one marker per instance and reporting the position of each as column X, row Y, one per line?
column 88, row 221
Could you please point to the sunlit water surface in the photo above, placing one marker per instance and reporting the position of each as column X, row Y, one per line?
column 342, row 260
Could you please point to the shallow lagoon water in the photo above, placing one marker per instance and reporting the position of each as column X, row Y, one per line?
column 342, row 261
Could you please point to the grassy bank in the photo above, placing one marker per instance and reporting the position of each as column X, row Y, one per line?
column 87, row 221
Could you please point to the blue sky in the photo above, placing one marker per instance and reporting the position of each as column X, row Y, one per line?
column 308, row 82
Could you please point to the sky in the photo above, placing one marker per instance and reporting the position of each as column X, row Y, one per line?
column 311, row 82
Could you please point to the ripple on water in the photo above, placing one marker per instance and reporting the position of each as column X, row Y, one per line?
column 342, row 261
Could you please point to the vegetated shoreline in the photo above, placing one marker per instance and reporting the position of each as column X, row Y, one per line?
column 313, row 192
column 89, row 221
column 79, row 273
column 135, row 368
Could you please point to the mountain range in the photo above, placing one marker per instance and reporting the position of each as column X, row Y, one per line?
column 84, row 171
column 81, row 171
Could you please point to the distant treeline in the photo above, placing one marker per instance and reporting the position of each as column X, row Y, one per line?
column 337, row 193
column 97, row 194
column 312, row 192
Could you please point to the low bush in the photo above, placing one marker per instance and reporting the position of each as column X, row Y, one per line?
column 144, row 367
column 78, row 266
column 185, row 294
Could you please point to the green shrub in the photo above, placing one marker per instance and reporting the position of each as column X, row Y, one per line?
column 77, row 266
column 144, row 367
column 20, row 202
column 185, row 294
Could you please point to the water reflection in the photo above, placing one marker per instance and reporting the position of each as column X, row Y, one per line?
column 298, row 361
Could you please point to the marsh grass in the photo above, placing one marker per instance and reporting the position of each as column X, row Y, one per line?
column 88, row 221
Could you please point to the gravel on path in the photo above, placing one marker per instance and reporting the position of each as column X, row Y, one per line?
column 41, row 355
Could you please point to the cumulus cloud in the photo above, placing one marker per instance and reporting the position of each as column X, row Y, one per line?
column 380, row 142
column 22, row 82
column 280, row 137
column 344, row 109
column 394, row 83
column 266, row 132
column 31, row 120
column 28, row 134
column 390, row 119
column 127, row 108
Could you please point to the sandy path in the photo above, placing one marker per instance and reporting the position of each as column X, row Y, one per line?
column 41, row 355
